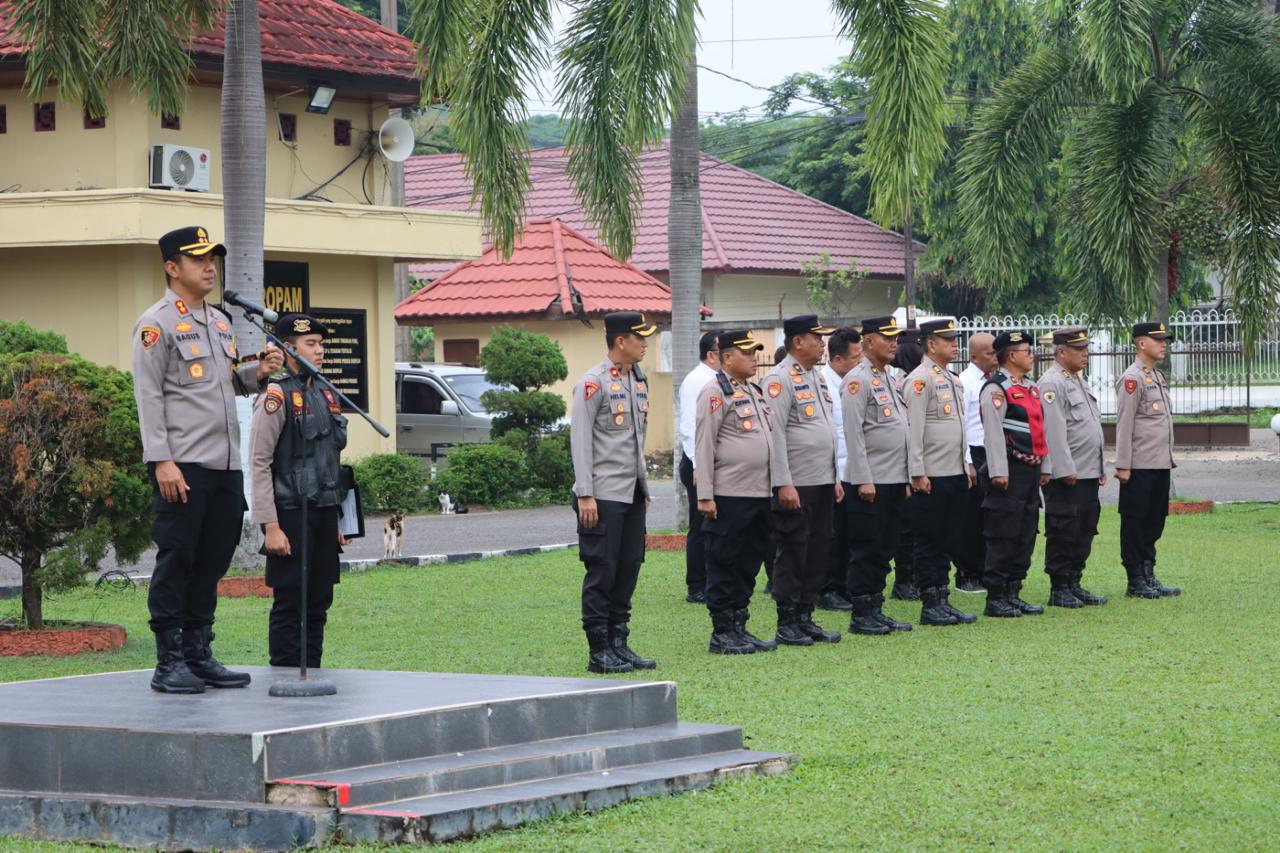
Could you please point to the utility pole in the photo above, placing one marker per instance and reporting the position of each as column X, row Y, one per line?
column 395, row 174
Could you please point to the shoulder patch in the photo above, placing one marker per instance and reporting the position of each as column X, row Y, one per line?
column 918, row 385
column 273, row 399
column 149, row 335
column 775, row 388
column 854, row 386
column 997, row 399
column 716, row 403
column 589, row 390
column 1049, row 396
column 1131, row 385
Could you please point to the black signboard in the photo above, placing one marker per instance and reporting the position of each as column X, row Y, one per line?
column 346, row 352
column 286, row 286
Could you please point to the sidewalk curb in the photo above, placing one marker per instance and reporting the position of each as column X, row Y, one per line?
column 363, row 565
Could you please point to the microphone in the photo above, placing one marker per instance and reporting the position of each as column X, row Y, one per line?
column 250, row 306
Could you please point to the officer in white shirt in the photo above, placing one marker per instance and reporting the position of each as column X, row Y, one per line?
column 972, row 555
column 695, row 561
column 844, row 351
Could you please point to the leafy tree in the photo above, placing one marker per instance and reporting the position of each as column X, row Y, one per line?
column 831, row 289
column 527, row 362
column 1148, row 99
column 19, row 337
column 71, row 476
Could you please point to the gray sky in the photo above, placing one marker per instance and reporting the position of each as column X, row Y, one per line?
column 801, row 37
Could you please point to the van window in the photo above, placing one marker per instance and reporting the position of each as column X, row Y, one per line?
column 469, row 386
column 419, row 398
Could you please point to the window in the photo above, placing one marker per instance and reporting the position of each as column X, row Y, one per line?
column 462, row 351
column 46, row 117
column 342, row 131
column 469, row 386
column 91, row 123
column 288, row 127
column 168, row 122
column 418, row 397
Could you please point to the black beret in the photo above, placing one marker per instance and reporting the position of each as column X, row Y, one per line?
column 1004, row 340
column 293, row 325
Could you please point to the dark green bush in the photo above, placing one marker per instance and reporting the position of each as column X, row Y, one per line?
column 485, row 474
column 551, row 465
column 527, row 412
column 523, row 359
column 391, row 482
column 18, row 338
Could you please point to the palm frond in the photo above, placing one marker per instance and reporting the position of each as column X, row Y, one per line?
column 1013, row 135
column 146, row 43
column 622, row 71
column 62, row 46
column 1115, row 37
column 442, row 30
column 901, row 47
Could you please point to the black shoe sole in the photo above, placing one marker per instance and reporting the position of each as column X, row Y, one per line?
column 609, row 670
column 723, row 651
column 226, row 685
column 644, row 666
column 805, row 642
column 1151, row 596
column 1015, row 615
column 862, row 632
column 1075, row 606
column 177, row 691
column 937, row 624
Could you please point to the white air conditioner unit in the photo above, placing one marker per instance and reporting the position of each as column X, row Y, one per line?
column 179, row 167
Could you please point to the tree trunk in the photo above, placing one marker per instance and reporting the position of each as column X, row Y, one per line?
column 32, row 594
column 909, row 266
column 395, row 174
column 684, row 256
column 1162, row 285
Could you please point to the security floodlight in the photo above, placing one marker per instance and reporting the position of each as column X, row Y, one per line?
column 322, row 96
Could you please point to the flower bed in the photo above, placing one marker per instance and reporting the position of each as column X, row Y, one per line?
column 62, row 638
column 1190, row 507
column 238, row 586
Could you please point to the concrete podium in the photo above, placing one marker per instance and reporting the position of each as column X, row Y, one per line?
column 394, row 757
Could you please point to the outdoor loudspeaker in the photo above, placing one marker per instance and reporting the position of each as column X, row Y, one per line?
column 395, row 140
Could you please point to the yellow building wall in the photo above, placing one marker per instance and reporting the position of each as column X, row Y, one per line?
column 583, row 348
column 73, row 158
column 740, row 297
column 94, row 296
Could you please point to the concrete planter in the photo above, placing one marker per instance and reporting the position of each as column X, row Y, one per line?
column 244, row 587
column 1190, row 507
column 664, row 541
column 62, row 638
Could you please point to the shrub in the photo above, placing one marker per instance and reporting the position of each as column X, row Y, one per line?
column 485, row 474
column 391, row 482
column 18, row 338
column 525, row 361
column 551, row 465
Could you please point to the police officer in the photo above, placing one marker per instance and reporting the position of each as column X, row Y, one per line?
column 695, row 557
column 1073, row 431
column 803, row 462
column 732, row 447
column 296, row 436
column 1144, row 458
column 939, row 481
column 875, row 475
column 187, row 373
column 910, row 354
column 844, row 352
column 973, row 547
column 1013, row 433
column 611, row 491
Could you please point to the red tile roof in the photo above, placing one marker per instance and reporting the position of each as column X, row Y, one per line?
column 316, row 35
column 552, row 269
column 749, row 223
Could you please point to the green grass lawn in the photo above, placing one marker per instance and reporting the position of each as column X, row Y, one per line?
column 1141, row 725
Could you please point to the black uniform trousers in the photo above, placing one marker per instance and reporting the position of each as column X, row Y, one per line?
column 904, row 550
column 1012, row 517
column 838, row 566
column 874, row 529
column 196, row 541
column 736, row 542
column 1144, row 505
column 695, row 552
column 803, row 538
column 284, row 576
column 937, row 520
column 612, row 553
column 1070, row 523
column 971, row 554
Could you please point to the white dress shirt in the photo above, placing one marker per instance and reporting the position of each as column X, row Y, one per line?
column 833, row 385
column 694, row 382
column 972, row 379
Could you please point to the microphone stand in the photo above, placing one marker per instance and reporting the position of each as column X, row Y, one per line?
column 308, row 373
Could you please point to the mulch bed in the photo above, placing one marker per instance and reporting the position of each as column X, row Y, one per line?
column 1190, row 507
column 664, row 541
column 62, row 638
column 244, row 587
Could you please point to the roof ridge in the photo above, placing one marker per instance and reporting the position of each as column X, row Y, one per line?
column 562, row 271
column 710, row 228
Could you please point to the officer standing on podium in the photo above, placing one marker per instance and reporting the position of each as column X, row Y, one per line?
column 611, row 489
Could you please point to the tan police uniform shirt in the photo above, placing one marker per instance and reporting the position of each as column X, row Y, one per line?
column 803, row 434
column 1072, row 426
column 606, row 434
column 935, row 413
column 186, row 376
column 1144, row 419
column 875, row 428
column 731, row 442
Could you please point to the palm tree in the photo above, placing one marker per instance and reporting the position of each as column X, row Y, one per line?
column 1149, row 100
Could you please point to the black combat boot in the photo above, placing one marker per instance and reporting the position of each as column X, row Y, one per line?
column 1149, row 570
column 834, row 601
column 961, row 617
column 1139, row 587
column 884, row 619
column 789, row 631
column 725, row 639
column 968, row 583
column 196, row 644
column 813, row 629
column 863, row 620
column 1027, row 608
column 1088, row 598
column 740, row 618
column 904, row 587
column 602, row 658
column 172, row 673
column 618, row 642
column 1000, row 601
column 1061, row 594
column 932, row 610
column 696, row 596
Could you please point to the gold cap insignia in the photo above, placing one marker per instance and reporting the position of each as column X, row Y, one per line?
column 301, row 325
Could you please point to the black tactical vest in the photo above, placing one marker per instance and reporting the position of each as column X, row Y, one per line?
column 315, row 415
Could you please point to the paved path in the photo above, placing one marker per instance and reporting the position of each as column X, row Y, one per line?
column 1220, row 475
